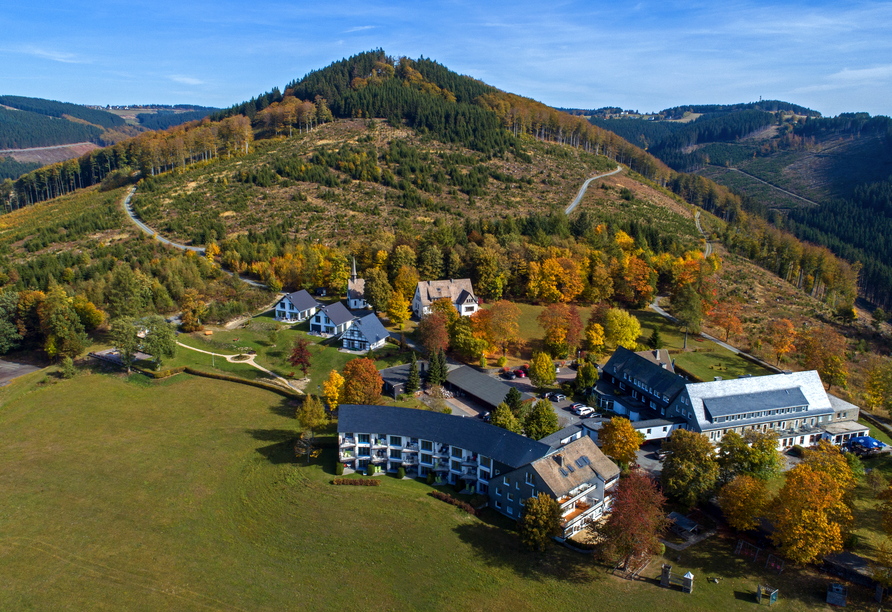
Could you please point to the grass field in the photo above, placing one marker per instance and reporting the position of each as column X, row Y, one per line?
column 126, row 494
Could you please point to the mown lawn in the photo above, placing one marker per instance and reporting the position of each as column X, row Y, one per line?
column 184, row 494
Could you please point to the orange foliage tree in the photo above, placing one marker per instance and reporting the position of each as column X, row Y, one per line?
column 782, row 337
column 362, row 382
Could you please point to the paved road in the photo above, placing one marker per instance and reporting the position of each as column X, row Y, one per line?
column 10, row 369
column 183, row 247
column 708, row 250
column 585, row 185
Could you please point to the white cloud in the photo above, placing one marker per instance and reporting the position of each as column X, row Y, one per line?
column 359, row 29
column 185, row 80
column 56, row 56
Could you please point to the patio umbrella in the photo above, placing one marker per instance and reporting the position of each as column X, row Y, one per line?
column 867, row 442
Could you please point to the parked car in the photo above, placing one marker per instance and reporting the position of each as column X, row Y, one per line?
column 585, row 411
column 485, row 416
column 574, row 407
column 520, row 373
column 509, row 375
column 556, row 397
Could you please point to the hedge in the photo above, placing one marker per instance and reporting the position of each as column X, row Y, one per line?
column 242, row 381
column 164, row 373
column 357, row 482
column 455, row 502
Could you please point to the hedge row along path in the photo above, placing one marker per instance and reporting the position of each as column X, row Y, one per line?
column 250, row 361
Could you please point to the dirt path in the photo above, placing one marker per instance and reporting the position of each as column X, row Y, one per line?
column 775, row 187
column 250, row 361
column 585, row 185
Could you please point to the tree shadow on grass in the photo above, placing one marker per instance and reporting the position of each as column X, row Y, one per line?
column 496, row 547
column 285, row 408
column 282, row 449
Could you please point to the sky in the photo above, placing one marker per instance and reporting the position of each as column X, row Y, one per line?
column 646, row 56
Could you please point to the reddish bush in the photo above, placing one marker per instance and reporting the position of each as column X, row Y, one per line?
column 455, row 502
column 357, row 482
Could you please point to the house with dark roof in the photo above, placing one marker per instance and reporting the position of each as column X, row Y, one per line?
column 459, row 292
column 638, row 385
column 465, row 381
column 490, row 460
column 295, row 307
column 365, row 333
column 332, row 320
column 578, row 475
column 356, row 290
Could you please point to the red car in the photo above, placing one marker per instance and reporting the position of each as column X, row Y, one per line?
column 520, row 373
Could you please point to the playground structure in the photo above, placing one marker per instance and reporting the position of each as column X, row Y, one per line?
column 766, row 591
column 668, row 579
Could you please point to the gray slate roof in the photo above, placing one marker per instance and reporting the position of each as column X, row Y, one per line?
column 663, row 382
column 356, row 289
column 808, row 383
column 555, row 439
column 455, row 289
column 483, row 387
column 371, row 328
column 302, row 300
column 472, row 434
column 762, row 400
column 338, row 313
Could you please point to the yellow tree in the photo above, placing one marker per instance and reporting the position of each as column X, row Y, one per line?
column 594, row 337
column 333, row 389
column 744, row 500
column 620, row 441
column 398, row 309
column 406, row 280
column 782, row 337
column 542, row 370
column 810, row 515
column 621, row 328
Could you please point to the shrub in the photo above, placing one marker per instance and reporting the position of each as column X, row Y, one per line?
column 401, row 472
column 68, row 367
column 339, row 468
column 453, row 501
column 501, row 362
column 370, row 470
column 357, row 482
column 430, row 478
column 567, row 388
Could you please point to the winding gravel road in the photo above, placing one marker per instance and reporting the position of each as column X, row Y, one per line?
column 585, row 185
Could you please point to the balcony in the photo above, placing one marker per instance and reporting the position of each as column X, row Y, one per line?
column 410, row 448
column 469, row 461
column 379, row 443
column 469, row 475
column 568, row 500
column 346, row 456
column 579, row 508
column 439, row 466
column 410, row 460
column 345, row 442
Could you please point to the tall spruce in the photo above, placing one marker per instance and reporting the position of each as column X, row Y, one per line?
column 414, row 381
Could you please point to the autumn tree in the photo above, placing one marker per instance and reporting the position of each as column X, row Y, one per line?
column 377, row 289
column 586, row 376
column 398, row 309
column 752, row 454
column 504, row 418
column 333, row 388
column 726, row 316
column 464, row 342
column 878, row 388
column 542, row 370
column 690, row 471
column 594, row 337
column 310, row 414
column 824, row 350
column 620, row 441
column 300, row 355
column 540, row 421
column 362, row 382
column 193, row 309
column 540, row 521
column 406, row 281
column 554, row 280
column 563, row 329
column 62, row 330
column 744, row 501
column 498, row 324
column 446, row 308
column 782, row 337
column 810, row 515
column 631, row 533
column 432, row 333
column 621, row 328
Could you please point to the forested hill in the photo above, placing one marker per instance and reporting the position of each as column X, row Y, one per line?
column 34, row 122
column 52, row 108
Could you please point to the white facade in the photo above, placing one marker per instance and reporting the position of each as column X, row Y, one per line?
column 287, row 312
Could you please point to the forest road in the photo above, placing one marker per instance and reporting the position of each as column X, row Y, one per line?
column 585, row 185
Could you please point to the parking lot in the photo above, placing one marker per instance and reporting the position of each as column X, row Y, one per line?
column 13, row 369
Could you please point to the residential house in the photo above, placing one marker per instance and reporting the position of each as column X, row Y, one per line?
column 356, row 291
column 332, row 320
column 492, row 461
column 458, row 291
column 295, row 307
column 365, row 333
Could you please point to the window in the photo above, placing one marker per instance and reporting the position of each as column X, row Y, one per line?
column 484, row 475
column 363, row 438
column 482, row 488
column 517, row 484
column 510, row 510
column 425, row 458
column 456, row 465
column 498, row 504
column 426, row 445
column 529, row 479
column 396, row 453
column 648, row 432
column 396, row 441
column 510, row 496
column 505, row 481
column 485, row 462
column 498, row 492
column 457, row 452
column 364, row 451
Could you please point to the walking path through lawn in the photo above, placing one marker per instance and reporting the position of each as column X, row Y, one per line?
column 250, row 361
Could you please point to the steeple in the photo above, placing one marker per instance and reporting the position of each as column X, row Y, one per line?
column 353, row 275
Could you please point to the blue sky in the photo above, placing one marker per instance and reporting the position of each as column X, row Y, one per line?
column 833, row 57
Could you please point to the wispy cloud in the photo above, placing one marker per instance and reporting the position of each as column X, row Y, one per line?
column 56, row 56
column 185, row 80
column 359, row 29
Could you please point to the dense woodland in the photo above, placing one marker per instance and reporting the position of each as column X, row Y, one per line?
column 167, row 119
column 52, row 108
column 10, row 168
column 22, row 130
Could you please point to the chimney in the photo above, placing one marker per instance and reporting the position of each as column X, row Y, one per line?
column 663, row 365
column 657, row 354
column 560, row 459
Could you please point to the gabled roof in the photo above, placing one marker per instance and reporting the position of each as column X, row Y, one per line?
column 662, row 381
column 371, row 328
column 483, row 387
column 747, row 394
column 765, row 400
column 454, row 289
column 338, row 313
column 556, row 439
column 660, row 357
column 302, row 300
column 574, row 464
column 471, row 434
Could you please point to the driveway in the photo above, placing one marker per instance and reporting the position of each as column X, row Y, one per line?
column 647, row 459
column 10, row 369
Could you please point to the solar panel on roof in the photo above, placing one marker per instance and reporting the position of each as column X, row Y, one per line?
column 585, row 459
column 570, row 467
column 580, row 463
column 563, row 472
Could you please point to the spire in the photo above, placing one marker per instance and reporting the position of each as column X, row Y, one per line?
column 353, row 276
